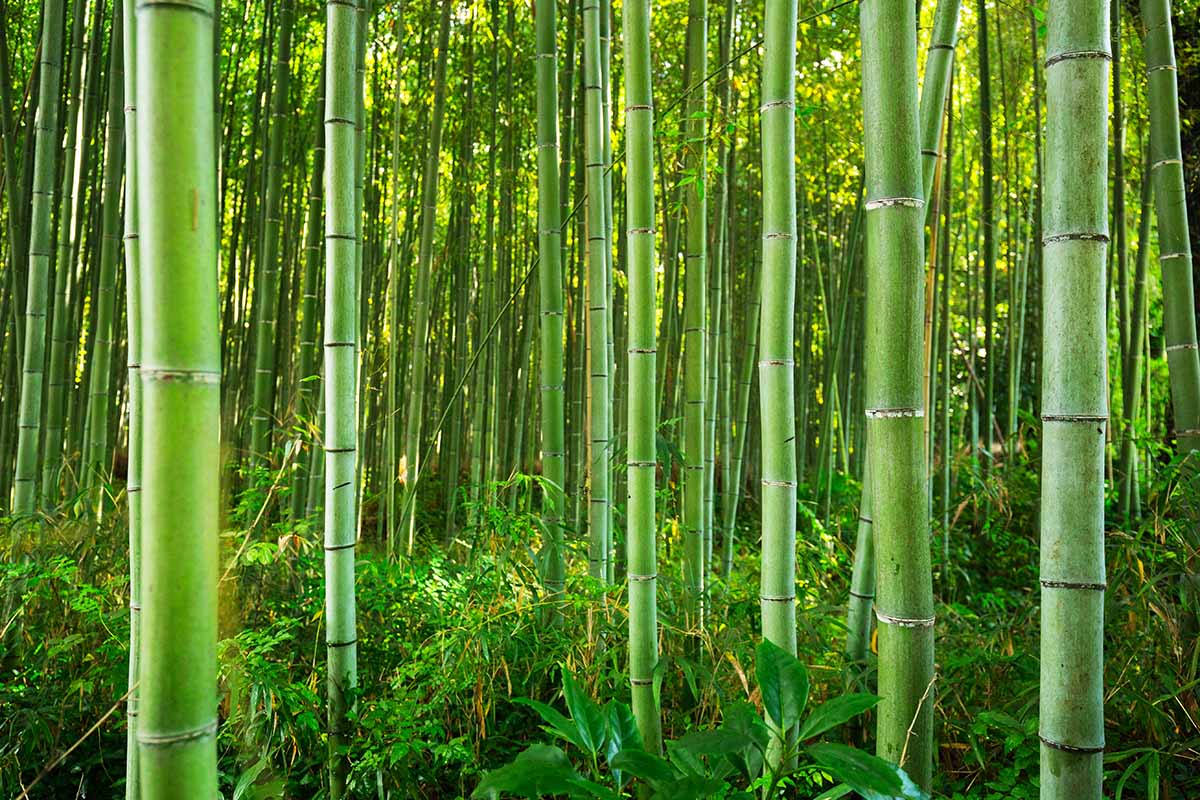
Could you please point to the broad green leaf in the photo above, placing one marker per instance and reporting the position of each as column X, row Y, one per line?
column 623, row 733
column 644, row 765
column 712, row 743
column 587, row 715
column 862, row 771
column 834, row 713
column 841, row 790
column 541, row 770
column 690, row 787
column 742, row 719
column 559, row 724
column 783, row 682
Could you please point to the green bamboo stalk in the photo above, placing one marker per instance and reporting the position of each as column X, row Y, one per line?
column 133, row 481
column 52, row 455
column 262, row 412
column 176, row 195
column 695, row 305
column 939, row 61
column 550, row 284
column 733, row 492
column 1174, row 250
column 1133, row 366
column 429, row 189
column 599, row 506
column 341, row 379
column 99, row 458
column 307, row 379
column 988, row 224
column 642, row 452
column 894, row 390
column 862, row 587
column 46, row 138
column 776, row 374
column 1074, row 401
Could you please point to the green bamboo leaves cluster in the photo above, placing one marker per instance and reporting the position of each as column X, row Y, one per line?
column 894, row 388
column 776, row 374
column 180, row 374
column 1074, row 401
column 553, row 368
column 643, row 308
column 341, row 379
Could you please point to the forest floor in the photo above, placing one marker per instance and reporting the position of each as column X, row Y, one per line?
column 449, row 639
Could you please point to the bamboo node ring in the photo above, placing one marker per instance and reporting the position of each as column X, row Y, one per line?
column 776, row 104
column 342, row 644
column 651, row 577
column 894, row 413
column 1166, row 162
column 904, row 622
column 769, row 599
column 891, row 202
column 1070, row 748
column 1171, row 348
column 779, row 484
column 861, row 596
column 205, row 376
column 1095, row 587
column 1086, row 236
column 167, row 739
column 1083, row 418
column 1071, row 55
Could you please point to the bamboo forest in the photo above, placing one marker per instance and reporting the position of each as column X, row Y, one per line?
column 589, row 399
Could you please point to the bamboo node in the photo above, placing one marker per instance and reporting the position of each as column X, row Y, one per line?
column 941, row 46
column 632, row 231
column 904, row 622
column 167, row 739
column 639, row 107
column 211, row 377
column 1157, row 67
column 652, row 577
column 1166, row 162
column 1096, row 587
column 633, row 464
column 771, row 599
column 342, row 644
column 927, row 152
column 1070, row 748
column 893, row 202
column 330, row 548
column 1071, row 55
column 1166, row 256
column 1171, row 348
column 776, row 362
column 776, row 104
column 867, row 520
column 779, row 484
column 641, row 681
column 894, row 413
column 1084, row 418
column 861, row 596
column 1086, row 236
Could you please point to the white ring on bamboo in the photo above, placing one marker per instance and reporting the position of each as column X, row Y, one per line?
column 210, row 377
column 1166, row 162
column 894, row 413
column 162, row 740
column 1186, row 346
column 904, row 622
column 890, row 202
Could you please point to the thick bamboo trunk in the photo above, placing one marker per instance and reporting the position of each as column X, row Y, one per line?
column 894, row 391
column 341, row 380
column 180, row 367
column 1074, row 401
column 776, row 375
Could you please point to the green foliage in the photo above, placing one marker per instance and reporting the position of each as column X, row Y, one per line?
column 727, row 761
